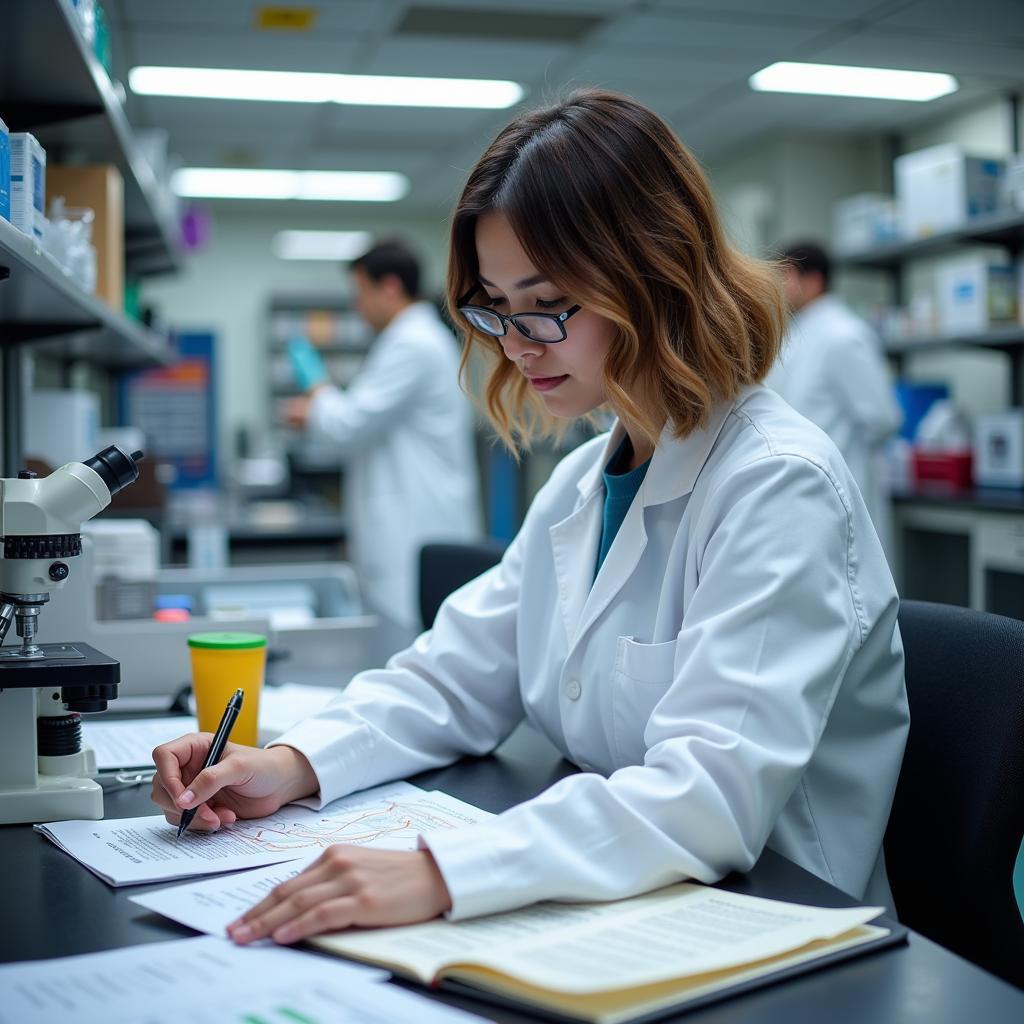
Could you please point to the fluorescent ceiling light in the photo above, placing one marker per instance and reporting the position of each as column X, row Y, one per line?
column 250, row 183
column 318, row 87
column 320, row 245
column 841, row 80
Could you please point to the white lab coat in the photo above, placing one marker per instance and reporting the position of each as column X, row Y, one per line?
column 833, row 372
column 404, row 431
column 733, row 677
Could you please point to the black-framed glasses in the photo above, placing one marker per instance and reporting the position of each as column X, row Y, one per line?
column 545, row 328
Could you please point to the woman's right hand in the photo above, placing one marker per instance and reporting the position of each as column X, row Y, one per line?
column 247, row 782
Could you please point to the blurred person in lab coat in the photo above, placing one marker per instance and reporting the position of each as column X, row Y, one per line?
column 404, row 432
column 832, row 371
column 696, row 612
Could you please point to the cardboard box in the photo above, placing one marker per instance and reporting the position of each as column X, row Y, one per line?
column 28, row 185
column 99, row 187
column 941, row 188
column 974, row 294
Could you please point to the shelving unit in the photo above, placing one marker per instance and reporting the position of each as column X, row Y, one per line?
column 1006, row 229
column 343, row 338
column 962, row 547
column 340, row 335
column 41, row 304
column 52, row 85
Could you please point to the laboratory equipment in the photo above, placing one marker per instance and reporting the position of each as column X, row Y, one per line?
column 44, row 688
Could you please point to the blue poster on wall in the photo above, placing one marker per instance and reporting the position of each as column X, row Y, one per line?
column 175, row 408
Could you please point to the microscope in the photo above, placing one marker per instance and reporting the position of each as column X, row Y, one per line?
column 46, row 774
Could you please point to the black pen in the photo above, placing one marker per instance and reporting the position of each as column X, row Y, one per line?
column 220, row 740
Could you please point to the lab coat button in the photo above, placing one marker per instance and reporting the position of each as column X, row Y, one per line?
column 573, row 690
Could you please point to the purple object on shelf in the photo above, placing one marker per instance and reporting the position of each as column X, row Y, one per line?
column 196, row 228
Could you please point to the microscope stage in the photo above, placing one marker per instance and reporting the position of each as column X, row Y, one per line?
column 72, row 664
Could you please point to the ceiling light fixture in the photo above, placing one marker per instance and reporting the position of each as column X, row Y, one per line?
column 321, row 87
column 843, row 80
column 251, row 183
column 320, row 245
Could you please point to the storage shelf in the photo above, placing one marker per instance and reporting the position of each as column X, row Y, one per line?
column 991, row 499
column 52, row 85
column 39, row 303
column 1003, row 228
column 1002, row 338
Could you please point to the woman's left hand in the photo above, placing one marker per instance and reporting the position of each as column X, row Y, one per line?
column 346, row 886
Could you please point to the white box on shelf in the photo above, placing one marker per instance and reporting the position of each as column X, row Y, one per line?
column 999, row 449
column 941, row 188
column 28, row 185
column 61, row 426
column 863, row 221
column 974, row 294
column 1013, row 183
column 126, row 549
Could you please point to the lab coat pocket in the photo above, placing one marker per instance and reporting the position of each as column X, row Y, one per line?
column 643, row 675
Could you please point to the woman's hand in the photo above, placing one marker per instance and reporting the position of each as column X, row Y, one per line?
column 346, row 886
column 246, row 783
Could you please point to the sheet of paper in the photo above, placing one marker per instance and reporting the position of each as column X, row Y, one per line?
column 593, row 947
column 154, row 978
column 212, row 904
column 326, row 1002
column 282, row 706
column 130, row 851
column 129, row 742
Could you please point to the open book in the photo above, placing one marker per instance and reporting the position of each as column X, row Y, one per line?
column 634, row 959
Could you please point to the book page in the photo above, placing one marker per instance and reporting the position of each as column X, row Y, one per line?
column 129, row 851
column 585, row 948
column 693, row 932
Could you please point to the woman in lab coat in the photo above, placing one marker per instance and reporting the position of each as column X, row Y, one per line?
column 696, row 611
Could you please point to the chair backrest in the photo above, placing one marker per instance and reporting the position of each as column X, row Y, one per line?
column 958, row 816
column 446, row 567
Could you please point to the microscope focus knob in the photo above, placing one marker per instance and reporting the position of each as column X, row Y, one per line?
column 59, row 571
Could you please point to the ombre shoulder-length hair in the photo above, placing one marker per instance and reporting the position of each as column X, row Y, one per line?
column 612, row 208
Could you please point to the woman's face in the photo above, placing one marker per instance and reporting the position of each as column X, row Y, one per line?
column 566, row 375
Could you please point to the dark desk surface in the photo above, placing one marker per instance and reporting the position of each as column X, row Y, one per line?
column 52, row 907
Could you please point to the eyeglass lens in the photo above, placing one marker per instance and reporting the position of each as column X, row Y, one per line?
column 538, row 326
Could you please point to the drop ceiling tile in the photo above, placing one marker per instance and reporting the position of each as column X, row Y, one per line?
column 994, row 21
column 918, row 52
column 333, row 16
column 464, row 58
column 659, row 31
column 820, row 10
column 224, row 48
column 683, row 67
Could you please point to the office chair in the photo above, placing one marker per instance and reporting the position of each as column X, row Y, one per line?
column 446, row 567
column 958, row 815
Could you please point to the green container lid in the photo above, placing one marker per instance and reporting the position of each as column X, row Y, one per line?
column 227, row 641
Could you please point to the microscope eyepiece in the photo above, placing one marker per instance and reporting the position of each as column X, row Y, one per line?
column 116, row 469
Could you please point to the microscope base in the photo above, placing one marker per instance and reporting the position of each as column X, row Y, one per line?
column 52, row 798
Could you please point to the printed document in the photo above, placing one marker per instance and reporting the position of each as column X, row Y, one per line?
column 127, row 984
column 130, row 851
